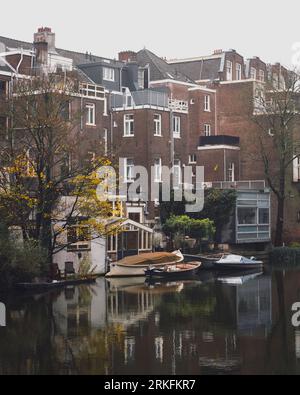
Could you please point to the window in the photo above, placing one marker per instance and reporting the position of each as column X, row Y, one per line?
column 264, row 216
column 296, row 169
column 78, row 238
column 253, row 73
column 108, row 74
column 228, row 70
column 231, row 171
column 105, row 106
column 192, row 159
column 192, row 101
column 157, row 170
column 3, row 87
column 207, row 103
column 128, row 125
column 247, row 215
column 261, row 75
column 238, row 69
column 128, row 169
column 176, row 174
column 157, row 125
column 207, row 129
column 105, row 142
column 176, row 127
column 90, row 115
column 143, row 78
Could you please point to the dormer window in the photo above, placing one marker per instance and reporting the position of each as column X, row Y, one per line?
column 238, row 71
column 108, row 74
column 228, row 70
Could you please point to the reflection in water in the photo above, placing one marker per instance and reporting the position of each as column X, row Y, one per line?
column 215, row 324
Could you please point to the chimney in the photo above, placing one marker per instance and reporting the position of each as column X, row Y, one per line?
column 218, row 51
column 127, row 56
column 44, row 34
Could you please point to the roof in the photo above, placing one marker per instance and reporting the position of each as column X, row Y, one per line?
column 159, row 68
column 77, row 57
column 203, row 68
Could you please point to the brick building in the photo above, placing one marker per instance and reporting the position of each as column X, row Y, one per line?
column 151, row 112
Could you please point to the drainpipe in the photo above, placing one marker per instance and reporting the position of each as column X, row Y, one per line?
column 225, row 166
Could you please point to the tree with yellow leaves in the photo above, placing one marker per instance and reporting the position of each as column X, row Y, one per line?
column 47, row 181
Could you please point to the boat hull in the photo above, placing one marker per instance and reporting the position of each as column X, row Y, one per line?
column 181, row 273
column 121, row 270
column 238, row 266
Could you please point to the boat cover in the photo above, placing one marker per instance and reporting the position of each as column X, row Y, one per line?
column 154, row 258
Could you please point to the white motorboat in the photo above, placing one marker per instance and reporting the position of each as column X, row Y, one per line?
column 134, row 266
column 238, row 262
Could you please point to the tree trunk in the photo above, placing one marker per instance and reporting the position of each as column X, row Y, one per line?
column 279, row 222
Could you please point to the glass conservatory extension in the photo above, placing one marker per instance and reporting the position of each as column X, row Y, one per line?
column 253, row 217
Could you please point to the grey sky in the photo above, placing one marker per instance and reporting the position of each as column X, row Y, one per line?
column 171, row 28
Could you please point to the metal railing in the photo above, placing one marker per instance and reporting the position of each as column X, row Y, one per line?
column 238, row 185
column 149, row 98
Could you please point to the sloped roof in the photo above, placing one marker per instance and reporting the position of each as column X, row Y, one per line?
column 159, row 68
column 206, row 68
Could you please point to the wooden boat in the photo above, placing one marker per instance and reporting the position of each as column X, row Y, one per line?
column 134, row 266
column 238, row 262
column 174, row 271
column 46, row 286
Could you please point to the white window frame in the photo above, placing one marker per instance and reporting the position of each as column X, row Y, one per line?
column 192, row 159
column 177, row 168
column 296, row 169
column 128, row 121
column 229, row 68
column 231, row 172
column 128, row 170
column 253, row 73
column 238, row 71
column 108, row 74
column 207, row 129
column 91, row 114
column 157, row 170
column 261, row 75
column 207, row 103
column 176, row 126
column 157, row 125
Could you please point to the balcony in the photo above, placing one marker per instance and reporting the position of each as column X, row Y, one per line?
column 147, row 98
column 253, row 185
column 219, row 140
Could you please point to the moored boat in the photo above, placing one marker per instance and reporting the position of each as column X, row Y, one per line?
column 134, row 266
column 174, row 271
column 238, row 262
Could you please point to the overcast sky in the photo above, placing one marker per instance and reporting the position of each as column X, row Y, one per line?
column 170, row 28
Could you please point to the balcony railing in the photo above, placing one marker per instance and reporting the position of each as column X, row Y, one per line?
column 147, row 98
column 91, row 91
column 238, row 185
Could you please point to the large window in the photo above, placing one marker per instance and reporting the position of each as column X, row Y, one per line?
column 177, row 176
column 207, row 129
column 231, row 172
column 176, row 127
column 129, row 170
column 253, row 73
column 238, row 71
column 90, row 114
column 264, row 216
column 247, row 215
column 228, row 70
column 296, row 169
column 157, row 125
column 157, row 170
column 261, row 75
column 108, row 74
column 207, row 103
column 128, row 125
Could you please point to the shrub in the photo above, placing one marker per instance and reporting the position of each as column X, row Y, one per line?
column 285, row 256
column 20, row 262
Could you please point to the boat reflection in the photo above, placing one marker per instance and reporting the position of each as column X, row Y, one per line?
column 215, row 324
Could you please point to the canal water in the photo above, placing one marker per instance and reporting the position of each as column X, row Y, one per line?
column 213, row 324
